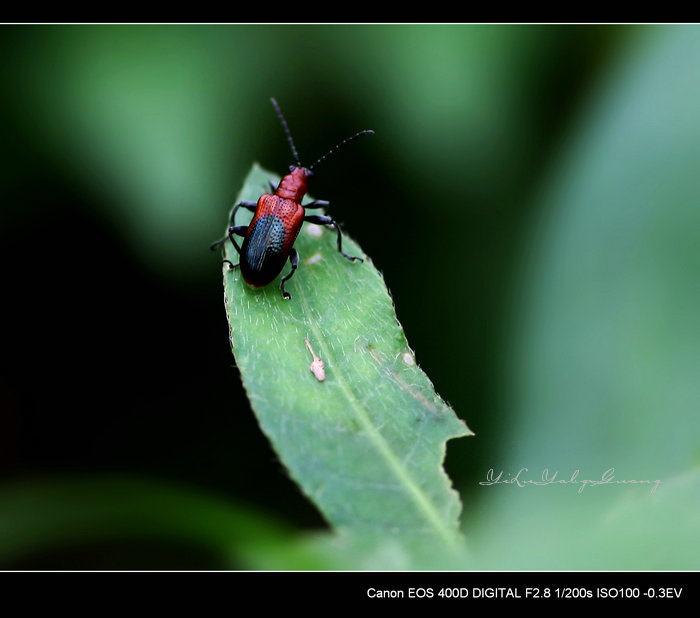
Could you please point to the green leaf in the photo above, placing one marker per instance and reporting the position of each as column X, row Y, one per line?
column 366, row 444
column 357, row 552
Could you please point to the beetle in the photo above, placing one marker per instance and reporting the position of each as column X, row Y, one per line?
column 268, row 241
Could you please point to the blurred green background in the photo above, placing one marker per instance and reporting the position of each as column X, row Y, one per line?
column 531, row 195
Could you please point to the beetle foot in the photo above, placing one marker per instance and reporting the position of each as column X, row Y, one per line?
column 352, row 258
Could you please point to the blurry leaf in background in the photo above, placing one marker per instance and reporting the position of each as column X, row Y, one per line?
column 48, row 515
column 601, row 370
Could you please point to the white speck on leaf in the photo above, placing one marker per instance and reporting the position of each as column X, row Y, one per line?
column 314, row 230
column 316, row 367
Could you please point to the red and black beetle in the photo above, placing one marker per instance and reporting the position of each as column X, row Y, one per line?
column 268, row 241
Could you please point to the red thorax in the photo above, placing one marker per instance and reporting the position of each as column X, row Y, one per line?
column 294, row 185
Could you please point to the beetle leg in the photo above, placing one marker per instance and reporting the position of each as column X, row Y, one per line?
column 317, row 204
column 241, row 231
column 218, row 243
column 244, row 204
column 237, row 229
column 247, row 204
column 234, row 229
column 325, row 220
column 294, row 261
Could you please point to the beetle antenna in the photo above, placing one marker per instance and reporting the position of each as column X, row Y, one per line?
column 339, row 146
column 286, row 130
